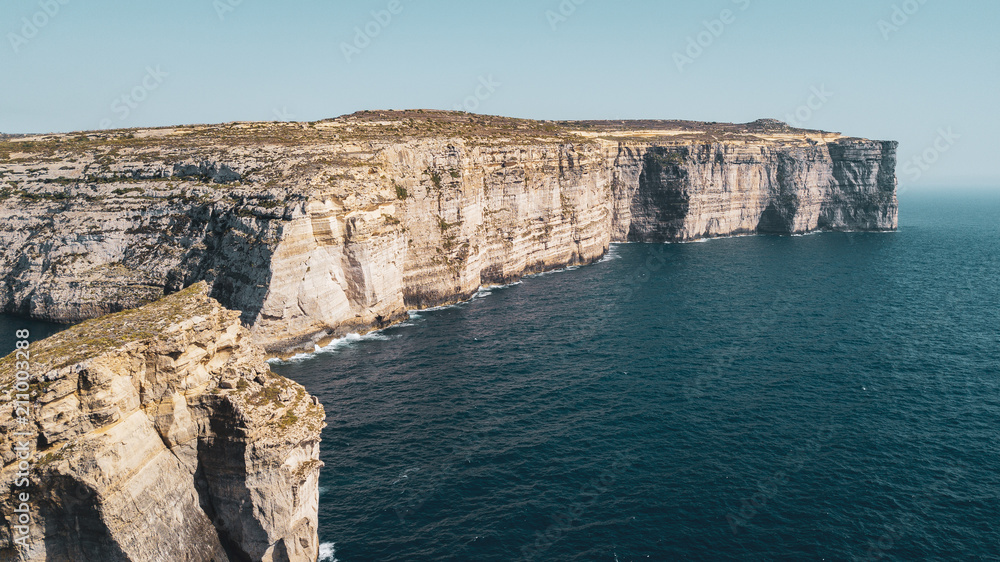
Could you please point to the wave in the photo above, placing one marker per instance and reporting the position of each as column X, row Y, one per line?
column 442, row 307
column 331, row 347
column 705, row 239
column 499, row 286
column 487, row 290
column 483, row 291
column 414, row 315
column 553, row 271
column 612, row 254
column 327, row 552
column 405, row 475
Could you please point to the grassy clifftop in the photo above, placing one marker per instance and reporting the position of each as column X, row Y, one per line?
column 387, row 126
column 94, row 337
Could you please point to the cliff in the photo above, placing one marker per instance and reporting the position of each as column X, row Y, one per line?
column 161, row 434
column 315, row 230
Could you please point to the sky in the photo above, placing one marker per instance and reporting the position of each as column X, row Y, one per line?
column 923, row 72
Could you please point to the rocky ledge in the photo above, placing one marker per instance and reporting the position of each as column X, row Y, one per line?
column 161, row 434
column 314, row 230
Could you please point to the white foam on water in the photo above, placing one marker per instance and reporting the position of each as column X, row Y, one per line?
column 487, row 290
column 710, row 238
column 494, row 287
column 483, row 291
column 404, row 475
column 327, row 552
column 349, row 339
column 331, row 347
column 322, row 490
column 553, row 271
column 612, row 254
column 414, row 315
column 442, row 307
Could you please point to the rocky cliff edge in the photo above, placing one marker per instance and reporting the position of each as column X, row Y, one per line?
column 315, row 230
column 160, row 434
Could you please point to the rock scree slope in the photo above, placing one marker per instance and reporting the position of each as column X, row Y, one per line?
column 315, row 230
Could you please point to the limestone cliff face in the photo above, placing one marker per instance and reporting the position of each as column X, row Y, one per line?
column 452, row 217
column 161, row 434
column 677, row 193
column 319, row 229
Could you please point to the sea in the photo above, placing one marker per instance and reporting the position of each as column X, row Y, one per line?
column 834, row 396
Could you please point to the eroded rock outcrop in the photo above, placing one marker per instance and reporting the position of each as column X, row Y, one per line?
column 161, row 434
column 315, row 230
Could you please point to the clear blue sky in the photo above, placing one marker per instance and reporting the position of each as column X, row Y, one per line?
column 226, row 60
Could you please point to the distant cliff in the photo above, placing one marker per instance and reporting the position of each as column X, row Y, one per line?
column 674, row 193
column 161, row 434
column 314, row 230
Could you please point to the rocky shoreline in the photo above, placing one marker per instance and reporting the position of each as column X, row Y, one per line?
column 316, row 230
column 160, row 433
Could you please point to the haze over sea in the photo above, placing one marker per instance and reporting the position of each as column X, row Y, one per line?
column 833, row 396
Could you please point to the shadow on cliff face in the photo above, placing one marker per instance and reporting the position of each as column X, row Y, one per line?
column 662, row 200
column 160, row 254
column 234, row 258
column 74, row 528
column 221, row 484
column 779, row 215
column 772, row 221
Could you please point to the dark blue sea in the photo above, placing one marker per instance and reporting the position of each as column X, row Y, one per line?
column 825, row 397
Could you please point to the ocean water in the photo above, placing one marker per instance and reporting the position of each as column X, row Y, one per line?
column 10, row 325
column 825, row 397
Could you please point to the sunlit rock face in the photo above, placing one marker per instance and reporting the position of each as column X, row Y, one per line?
column 161, row 434
column 315, row 230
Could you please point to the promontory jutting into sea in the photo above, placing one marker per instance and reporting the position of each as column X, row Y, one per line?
column 316, row 230
column 191, row 253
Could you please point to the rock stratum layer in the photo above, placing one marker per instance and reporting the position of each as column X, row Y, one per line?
column 161, row 434
column 315, row 230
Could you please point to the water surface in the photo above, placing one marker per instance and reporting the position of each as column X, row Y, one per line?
column 833, row 396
